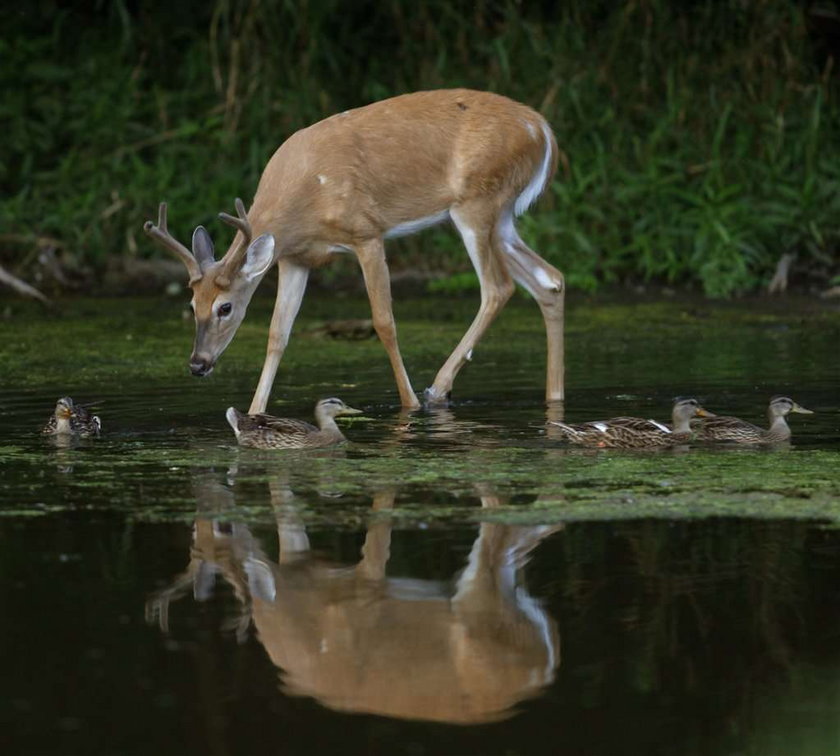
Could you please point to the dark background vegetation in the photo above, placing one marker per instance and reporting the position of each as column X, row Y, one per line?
column 700, row 140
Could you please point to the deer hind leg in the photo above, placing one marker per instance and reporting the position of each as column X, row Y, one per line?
column 546, row 285
column 476, row 224
column 371, row 256
column 291, row 284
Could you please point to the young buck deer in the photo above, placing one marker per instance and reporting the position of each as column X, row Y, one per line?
column 351, row 181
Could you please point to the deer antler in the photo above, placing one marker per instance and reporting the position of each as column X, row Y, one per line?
column 241, row 223
column 162, row 236
column 233, row 259
column 157, row 606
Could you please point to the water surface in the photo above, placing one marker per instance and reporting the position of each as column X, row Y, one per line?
column 451, row 581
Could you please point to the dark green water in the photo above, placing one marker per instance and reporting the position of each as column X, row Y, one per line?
column 450, row 582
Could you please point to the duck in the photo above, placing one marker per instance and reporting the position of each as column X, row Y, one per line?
column 735, row 430
column 262, row 431
column 636, row 432
column 71, row 419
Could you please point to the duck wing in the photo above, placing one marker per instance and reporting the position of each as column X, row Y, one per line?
column 85, row 423
column 639, row 425
column 725, row 427
column 618, row 432
column 275, row 424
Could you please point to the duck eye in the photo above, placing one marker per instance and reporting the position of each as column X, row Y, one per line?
column 224, row 310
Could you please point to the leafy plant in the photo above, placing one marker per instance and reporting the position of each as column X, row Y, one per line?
column 699, row 143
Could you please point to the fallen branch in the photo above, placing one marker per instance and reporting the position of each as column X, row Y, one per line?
column 39, row 241
column 21, row 286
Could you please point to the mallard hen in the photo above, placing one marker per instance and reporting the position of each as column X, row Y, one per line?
column 636, row 432
column 71, row 419
column 735, row 430
column 269, row 432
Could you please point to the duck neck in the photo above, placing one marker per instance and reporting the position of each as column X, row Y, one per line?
column 681, row 425
column 779, row 429
column 62, row 425
column 327, row 423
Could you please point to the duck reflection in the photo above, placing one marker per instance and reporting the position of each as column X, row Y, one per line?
column 358, row 640
column 437, row 426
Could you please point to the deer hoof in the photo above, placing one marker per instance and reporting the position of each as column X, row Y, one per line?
column 432, row 399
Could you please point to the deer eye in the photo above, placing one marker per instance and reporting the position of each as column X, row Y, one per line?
column 224, row 310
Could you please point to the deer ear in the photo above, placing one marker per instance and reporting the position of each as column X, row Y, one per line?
column 259, row 257
column 202, row 246
column 260, row 580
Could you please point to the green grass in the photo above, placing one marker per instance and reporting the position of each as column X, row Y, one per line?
column 699, row 142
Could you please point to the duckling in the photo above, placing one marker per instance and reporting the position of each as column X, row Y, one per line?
column 268, row 432
column 636, row 432
column 71, row 419
column 733, row 429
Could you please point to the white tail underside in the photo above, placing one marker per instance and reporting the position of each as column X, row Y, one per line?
column 537, row 185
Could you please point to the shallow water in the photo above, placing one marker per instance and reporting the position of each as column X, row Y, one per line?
column 450, row 582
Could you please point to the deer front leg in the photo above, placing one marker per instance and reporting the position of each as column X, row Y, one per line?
column 291, row 284
column 371, row 257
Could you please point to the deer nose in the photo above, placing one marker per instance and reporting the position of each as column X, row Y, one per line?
column 200, row 367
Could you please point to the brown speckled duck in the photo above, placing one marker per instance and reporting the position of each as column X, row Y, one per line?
column 636, row 432
column 735, row 430
column 269, row 432
column 71, row 419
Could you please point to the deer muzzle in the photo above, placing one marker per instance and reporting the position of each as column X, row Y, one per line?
column 201, row 366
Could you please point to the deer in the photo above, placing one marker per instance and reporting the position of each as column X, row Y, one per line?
column 357, row 178
column 358, row 640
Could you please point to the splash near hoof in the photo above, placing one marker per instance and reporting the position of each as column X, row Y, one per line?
column 431, row 398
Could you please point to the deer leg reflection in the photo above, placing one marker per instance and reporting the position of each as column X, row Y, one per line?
column 356, row 639
column 497, row 622
column 291, row 532
column 377, row 547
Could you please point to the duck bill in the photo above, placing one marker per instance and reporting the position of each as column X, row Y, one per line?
column 704, row 413
column 801, row 410
column 351, row 411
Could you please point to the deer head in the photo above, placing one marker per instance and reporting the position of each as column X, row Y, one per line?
column 222, row 288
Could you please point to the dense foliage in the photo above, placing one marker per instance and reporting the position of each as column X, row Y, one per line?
column 699, row 140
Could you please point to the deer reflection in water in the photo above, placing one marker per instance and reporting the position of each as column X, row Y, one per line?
column 359, row 641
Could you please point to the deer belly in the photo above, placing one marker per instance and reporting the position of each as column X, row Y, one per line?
column 418, row 224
